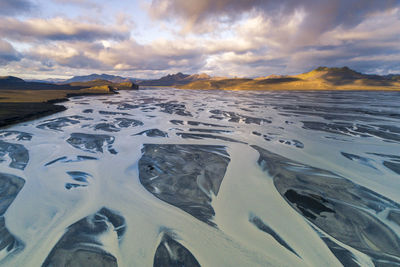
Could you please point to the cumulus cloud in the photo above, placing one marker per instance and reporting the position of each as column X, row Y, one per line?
column 256, row 47
column 288, row 36
column 53, row 55
column 220, row 37
column 320, row 15
column 7, row 53
column 15, row 7
column 120, row 56
column 81, row 3
column 59, row 29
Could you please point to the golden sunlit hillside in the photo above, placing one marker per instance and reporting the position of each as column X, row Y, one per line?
column 322, row 78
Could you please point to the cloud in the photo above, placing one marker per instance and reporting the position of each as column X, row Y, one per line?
column 121, row 56
column 15, row 7
column 77, row 55
column 287, row 36
column 7, row 53
column 59, row 28
column 220, row 37
column 320, row 16
column 81, row 3
column 256, row 46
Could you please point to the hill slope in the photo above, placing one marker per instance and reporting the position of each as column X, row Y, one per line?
column 21, row 100
column 174, row 79
column 322, row 78
column 128, row 85
column 14, row 83
column 92, row 77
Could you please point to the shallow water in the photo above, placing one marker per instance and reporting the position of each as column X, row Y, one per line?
column 170, row 177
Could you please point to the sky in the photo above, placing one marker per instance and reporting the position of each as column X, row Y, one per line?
column 236, row 38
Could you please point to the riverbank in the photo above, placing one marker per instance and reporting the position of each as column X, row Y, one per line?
column 22, row 105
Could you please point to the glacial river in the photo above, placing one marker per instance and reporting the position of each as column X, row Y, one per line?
column 170, row 177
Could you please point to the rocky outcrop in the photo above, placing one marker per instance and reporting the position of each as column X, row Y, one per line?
column 18, row 154
column 81, row 245
column 10, row 186
column 195, row 178
column 173, row 254
column 92, row 142
column 342, row 209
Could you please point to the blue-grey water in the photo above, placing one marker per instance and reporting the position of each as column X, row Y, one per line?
column 167, row 177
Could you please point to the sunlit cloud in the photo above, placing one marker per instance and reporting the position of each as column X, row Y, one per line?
column 219, row 37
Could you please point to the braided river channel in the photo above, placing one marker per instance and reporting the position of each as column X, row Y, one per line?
column 168, row 177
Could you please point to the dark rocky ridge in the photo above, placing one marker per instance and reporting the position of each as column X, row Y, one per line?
column 20, row 112
column 341, row 208
column 91, row 77
column 207, row 136
column 117, row 124
column 65, row 159
column 21, row 100
column 58, row 123
column 174, row 79
column 81, row 245
column 14, row 83
column 153, row 133
column 234, row 117
column 10, row 186
column 173, row 107
column 171, row 253
column 92, row 142
column 18, row 153
column 265, row 228
column 15, row 136
column 196, row 175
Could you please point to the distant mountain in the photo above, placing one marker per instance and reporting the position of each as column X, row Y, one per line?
column 50, row 80
column 322, row 78
column 394, row 77
column 128, row 85
column 5, row 80
column 169, row 80
column 92, row 77
column 174, row 79
column 14, row 83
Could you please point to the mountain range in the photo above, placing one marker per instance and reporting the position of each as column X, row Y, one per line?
column 92, row 77
column 21, row 100
column 175, row 79
column 322, row 78
column 15, row 83
column 169, row 80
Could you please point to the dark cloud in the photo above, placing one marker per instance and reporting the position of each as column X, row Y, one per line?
column 7, row 53
column 59, row 29
column 15, row 7
column 77, row 61
column 321, row 15
column 292, row 36
column 220, row 37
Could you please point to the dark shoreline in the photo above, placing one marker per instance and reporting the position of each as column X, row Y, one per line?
column 21, row 112
column 16, row 112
